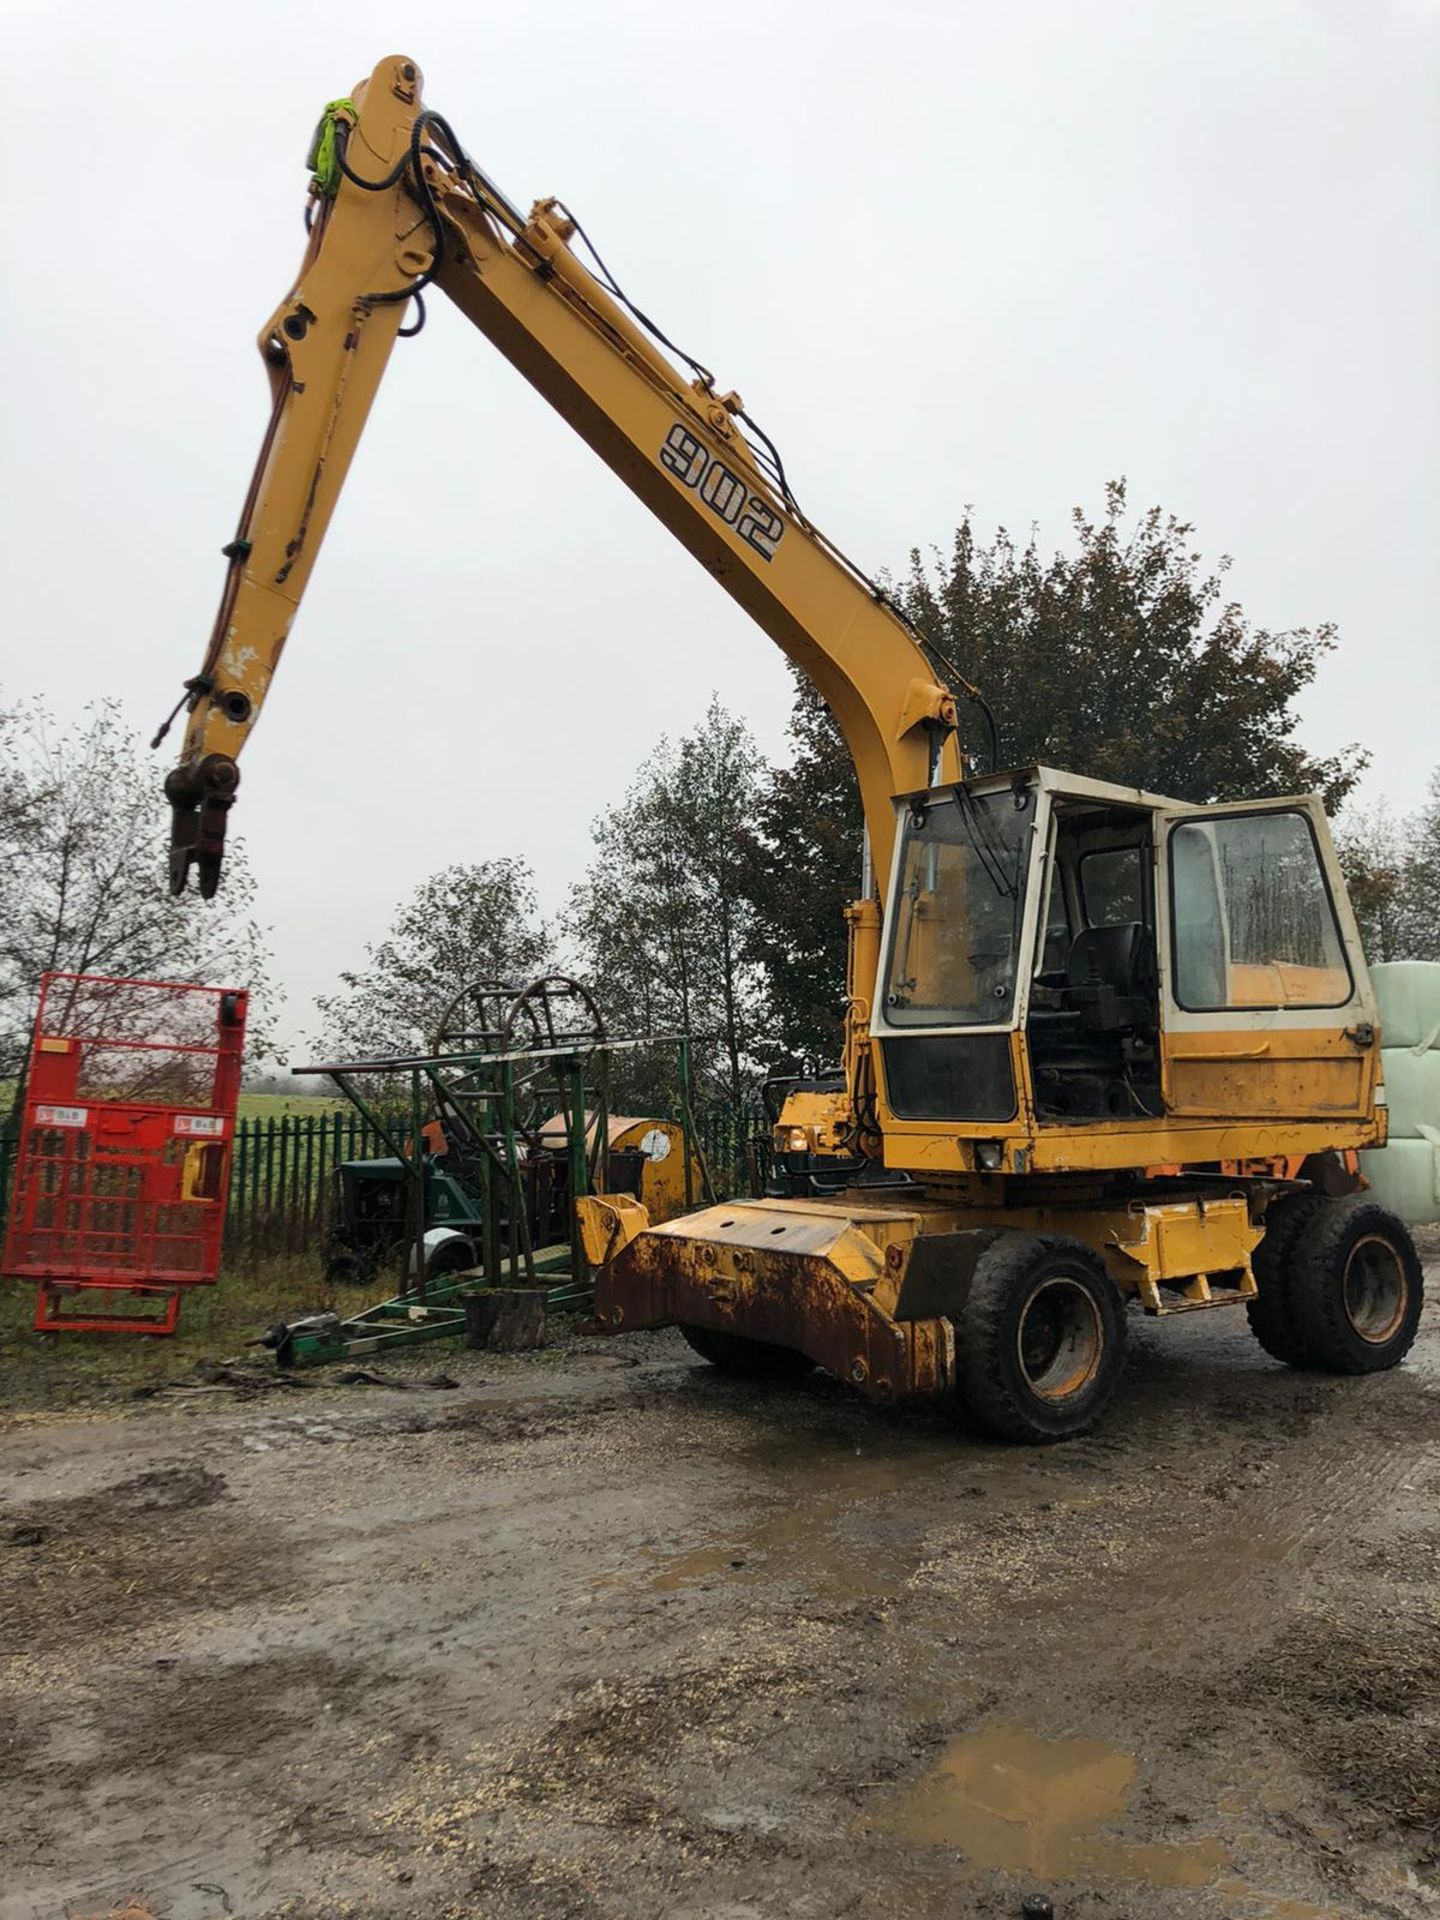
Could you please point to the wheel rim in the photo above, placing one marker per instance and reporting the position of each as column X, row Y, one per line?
column 1376, row 1290
column 1060, row 1339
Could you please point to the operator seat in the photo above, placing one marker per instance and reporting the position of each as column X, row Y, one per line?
column 1109, row 983
column 1084, row 1049
column 1104, row 957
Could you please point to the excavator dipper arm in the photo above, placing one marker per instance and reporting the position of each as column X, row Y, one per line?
column 403, row 207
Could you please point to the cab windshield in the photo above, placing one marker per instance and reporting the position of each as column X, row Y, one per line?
column 954, row 950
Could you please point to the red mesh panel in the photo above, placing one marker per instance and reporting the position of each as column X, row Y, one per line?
column 125, row 1145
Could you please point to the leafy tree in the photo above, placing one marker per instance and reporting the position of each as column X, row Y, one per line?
column 805, row 865
column 1124, row 660
column 467, row 923
column 83, row 846
column 663, row 919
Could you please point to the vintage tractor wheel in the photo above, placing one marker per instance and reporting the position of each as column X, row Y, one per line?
column 344, row 1267
column 1355, row 1287
column 1272, row 1313
column 747, row 1359
column 451, row 1256
column 1039, row 1342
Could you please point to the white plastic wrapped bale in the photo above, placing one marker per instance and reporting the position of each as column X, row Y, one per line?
column 1408, row 995
column 1405, row 1177
column 1412, row 1087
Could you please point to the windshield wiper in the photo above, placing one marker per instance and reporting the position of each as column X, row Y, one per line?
column 976, row 830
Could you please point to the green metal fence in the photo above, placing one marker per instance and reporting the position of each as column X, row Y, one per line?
column 282, row 1192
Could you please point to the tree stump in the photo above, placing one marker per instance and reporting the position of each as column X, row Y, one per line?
column 505, row 1319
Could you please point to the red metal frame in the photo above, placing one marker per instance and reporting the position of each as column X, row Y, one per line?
column 126, row 1136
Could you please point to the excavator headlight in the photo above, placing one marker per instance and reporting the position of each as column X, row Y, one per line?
column 989, row 1155
column 795, row 1139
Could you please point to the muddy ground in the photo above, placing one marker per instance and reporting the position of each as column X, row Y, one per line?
column 597, row 1633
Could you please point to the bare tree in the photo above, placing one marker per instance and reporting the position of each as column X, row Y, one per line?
column 83, row 838
column 1392, row 869
column 465, row 923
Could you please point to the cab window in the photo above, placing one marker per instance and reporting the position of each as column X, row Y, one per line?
column 1253, row 922
column 1111, row 886
column 955, row 937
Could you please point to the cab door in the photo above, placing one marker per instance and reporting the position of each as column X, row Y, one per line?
column 1266, row 1005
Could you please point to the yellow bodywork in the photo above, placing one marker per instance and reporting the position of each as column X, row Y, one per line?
column 830, row 1278
column 667, row 1184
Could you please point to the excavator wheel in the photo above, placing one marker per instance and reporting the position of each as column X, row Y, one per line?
column 1356, row 1288
column 1039, row 1342
column 747, row 1359
column 1272, row 1312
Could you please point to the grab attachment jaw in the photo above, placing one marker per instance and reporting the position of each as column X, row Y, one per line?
column 200, row 801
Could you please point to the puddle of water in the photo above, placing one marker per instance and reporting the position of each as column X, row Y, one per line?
column 801, row 1533
column 804, row 1540
column 1011, row 1801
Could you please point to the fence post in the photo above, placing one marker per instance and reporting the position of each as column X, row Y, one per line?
column 290, row 1128
column 687, row 1123
column 337, row 1121
column 252, row 1215
column 237, row 1185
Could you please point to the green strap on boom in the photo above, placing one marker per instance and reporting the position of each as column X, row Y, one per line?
column 323, row 159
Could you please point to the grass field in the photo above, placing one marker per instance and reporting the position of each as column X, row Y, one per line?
column 273, row 1106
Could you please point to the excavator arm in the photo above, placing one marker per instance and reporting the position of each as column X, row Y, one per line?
column 397, row 206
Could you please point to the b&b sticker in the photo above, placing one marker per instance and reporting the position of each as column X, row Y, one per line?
column 62, row 1116
column 208, row 1125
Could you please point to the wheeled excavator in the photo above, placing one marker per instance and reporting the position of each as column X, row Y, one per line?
column 1103, row 1050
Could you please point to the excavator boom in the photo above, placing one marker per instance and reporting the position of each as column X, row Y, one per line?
column 398, row 206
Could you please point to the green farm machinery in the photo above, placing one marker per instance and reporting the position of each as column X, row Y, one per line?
column 506, row 1124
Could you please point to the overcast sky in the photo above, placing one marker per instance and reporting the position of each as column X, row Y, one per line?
column 948, row 252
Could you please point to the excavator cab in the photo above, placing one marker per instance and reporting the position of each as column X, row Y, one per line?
column 1063, row 956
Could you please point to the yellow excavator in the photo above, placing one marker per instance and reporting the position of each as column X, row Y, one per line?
column 1102, row 1049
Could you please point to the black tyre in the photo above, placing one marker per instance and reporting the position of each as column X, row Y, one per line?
column 1355, row 1287
column 1271, row 1312
column 747, row 1359
column 1040, row 1341
column 346, row 1268
column 451, row 1256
